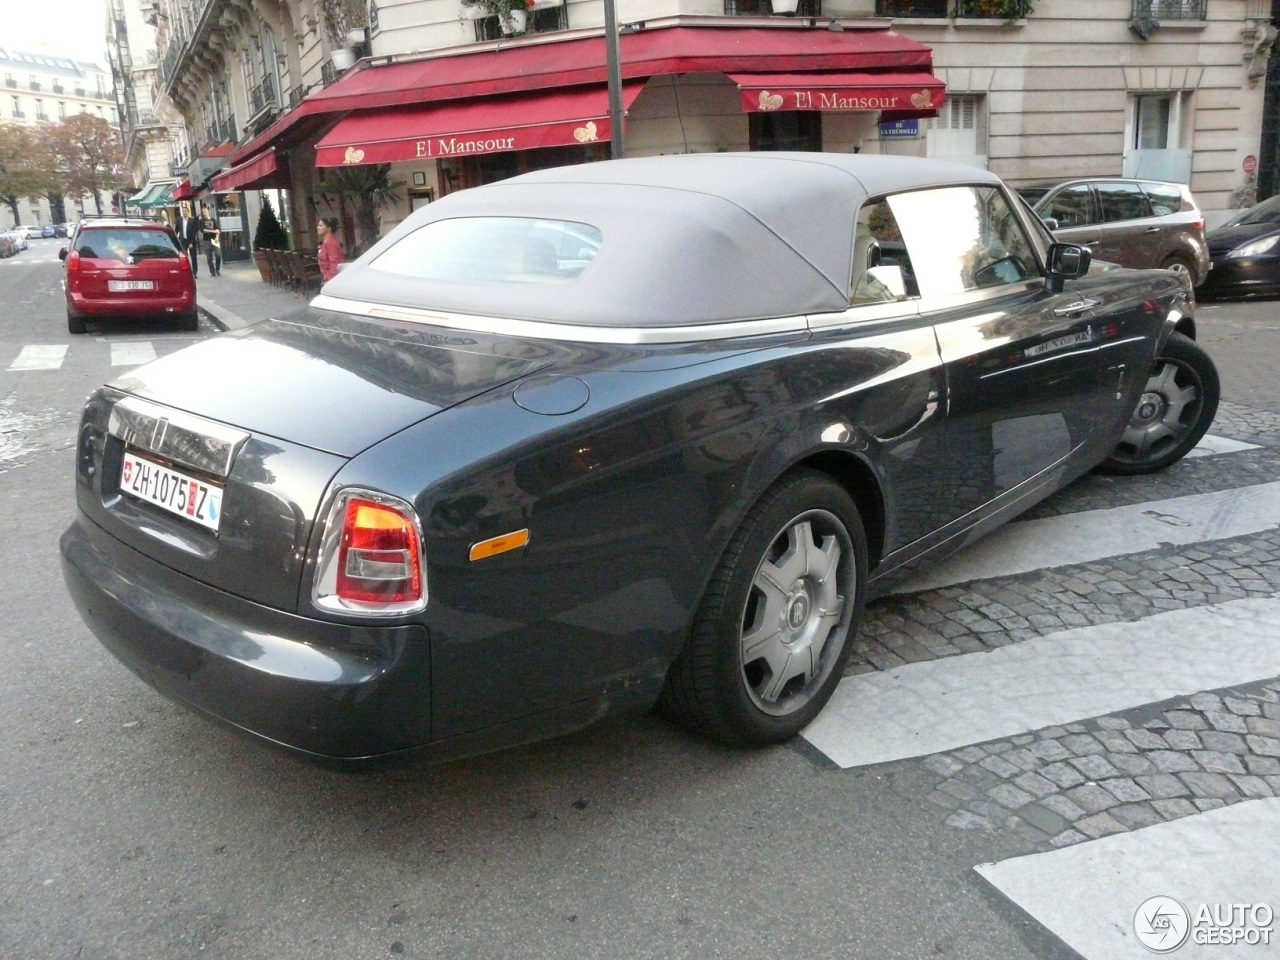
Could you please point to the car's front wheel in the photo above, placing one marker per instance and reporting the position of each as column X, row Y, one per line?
column 1173, row 413
column 1181, row 266
column 776, row 624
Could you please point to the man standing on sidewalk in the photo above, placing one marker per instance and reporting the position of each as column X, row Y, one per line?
column 189, row 237
column 212, row 235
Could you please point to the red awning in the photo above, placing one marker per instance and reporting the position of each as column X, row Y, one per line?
column 494, row 125
column 503, row 67
column 263, row 172
column 857, row 92
column 184, row 191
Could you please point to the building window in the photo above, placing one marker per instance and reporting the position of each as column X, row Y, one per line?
column 16, row 109
column 1151, row 123
column 918, row 9
column 62, row 110
column 959, row 131
column 547, row 20
column 786, row 130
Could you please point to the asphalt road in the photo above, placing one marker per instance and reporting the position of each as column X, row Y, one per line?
column 131, row 829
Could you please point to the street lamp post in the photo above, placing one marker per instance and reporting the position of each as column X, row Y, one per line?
column 614, row 60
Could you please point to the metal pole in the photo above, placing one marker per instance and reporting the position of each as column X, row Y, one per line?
column 614, row 57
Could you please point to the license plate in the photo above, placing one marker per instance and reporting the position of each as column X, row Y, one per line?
column 172, row 490
column 120, row 286
column 1071, row 340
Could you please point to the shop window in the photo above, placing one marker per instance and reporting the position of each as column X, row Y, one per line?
column 786, row 130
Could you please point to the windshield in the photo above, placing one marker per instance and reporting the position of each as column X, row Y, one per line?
column 1268, row 211
column 126, row 245
column 494, row 249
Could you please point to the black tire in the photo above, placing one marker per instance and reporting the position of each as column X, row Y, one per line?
column 74, row 324
column 804, row 524
column 189, row 321
column 1173, row 413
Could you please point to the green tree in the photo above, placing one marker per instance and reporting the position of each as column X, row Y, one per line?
column 269, row 234
column 89, row 156
column 24, row 170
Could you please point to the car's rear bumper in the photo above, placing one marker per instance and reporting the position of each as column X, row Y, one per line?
column 152, row 306
column 327, row 690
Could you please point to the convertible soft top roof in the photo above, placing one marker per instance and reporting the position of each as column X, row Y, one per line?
column 693, row 239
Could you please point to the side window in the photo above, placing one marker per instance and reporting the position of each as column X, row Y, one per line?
column 881, row 268
column 1165, row 198
column 1122, row 201
column 984, row 243
column 1070, row 206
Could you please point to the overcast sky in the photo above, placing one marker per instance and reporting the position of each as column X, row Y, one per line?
column 68, row 28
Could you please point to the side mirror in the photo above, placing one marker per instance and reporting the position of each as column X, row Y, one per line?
column 1050, row 222
column 1067, row 261
column 62, row 253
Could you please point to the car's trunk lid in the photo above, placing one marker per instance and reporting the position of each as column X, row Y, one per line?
column 302, row 398
column 332, row 383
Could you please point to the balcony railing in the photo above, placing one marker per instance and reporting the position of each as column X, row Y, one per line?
column 10, row 82
column 763, row 8
column 1170, row 9
column 263, row 96
column 918, row 9
column 297, row 93
column 19, row 114
column 329, row 73
column 58, row 88
column 546, row 20
column 228, row 130
column 34, row 84
column 41, row 115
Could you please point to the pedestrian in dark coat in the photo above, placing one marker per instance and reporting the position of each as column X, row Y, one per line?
column 189, row 237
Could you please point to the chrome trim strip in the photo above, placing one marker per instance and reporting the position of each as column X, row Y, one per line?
column 177, row 436
column 537, row 330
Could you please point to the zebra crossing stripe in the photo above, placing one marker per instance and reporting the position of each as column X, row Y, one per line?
column 132, row 353
column 1027, row 545
column 40, row 356
column 1210, row 446
column 938, row 705
column 1088, row 894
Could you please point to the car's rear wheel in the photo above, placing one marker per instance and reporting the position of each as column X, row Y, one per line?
column 775, row 627
column 189, row 321
column 1182, row 266
column 74, row 324
column 1173, row 413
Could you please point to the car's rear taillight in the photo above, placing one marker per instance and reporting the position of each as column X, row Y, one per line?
column 73, row 263
column 370, row 556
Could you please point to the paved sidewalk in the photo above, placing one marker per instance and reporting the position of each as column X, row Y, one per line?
column 239, row 297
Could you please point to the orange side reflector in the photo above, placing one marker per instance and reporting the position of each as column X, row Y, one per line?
column 496, row 545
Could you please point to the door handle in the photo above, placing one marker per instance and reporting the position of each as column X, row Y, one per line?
column 1078, row 307
column 1153, row 230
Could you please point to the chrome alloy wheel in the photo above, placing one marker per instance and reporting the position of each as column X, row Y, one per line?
column 796, row 618
column 1167, row 412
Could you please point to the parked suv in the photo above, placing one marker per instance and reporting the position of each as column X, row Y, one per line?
column 1135, row 223
column 123, row 267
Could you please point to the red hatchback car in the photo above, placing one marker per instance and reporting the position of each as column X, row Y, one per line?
column 120, row 267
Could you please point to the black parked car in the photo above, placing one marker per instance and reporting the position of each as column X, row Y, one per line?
column 1246, row 253
column 610, row 434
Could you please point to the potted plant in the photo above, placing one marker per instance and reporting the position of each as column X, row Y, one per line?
column 368, row 188
column 513, row 15
column 269, row 235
